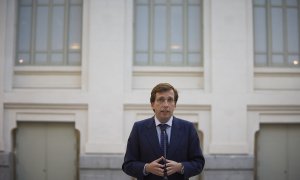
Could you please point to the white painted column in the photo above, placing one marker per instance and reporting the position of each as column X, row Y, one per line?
column 2, row 75
column 229, row 76
column 105, row 76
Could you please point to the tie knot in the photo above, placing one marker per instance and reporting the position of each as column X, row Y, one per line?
column 163, row 127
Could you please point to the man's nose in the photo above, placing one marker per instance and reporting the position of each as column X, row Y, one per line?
column 165, row 103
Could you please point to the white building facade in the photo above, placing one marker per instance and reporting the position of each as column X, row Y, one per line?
column 242, row 95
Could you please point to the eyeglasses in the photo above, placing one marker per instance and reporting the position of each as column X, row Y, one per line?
column 163, row 100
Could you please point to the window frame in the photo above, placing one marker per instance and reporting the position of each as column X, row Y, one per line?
column 269, row 62
column 150, row 49
column 66, row 50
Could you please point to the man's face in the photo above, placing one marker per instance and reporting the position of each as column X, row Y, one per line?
column 164, row 105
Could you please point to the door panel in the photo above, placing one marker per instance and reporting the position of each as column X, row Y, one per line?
column 30, row 160
column 61, row 161
column 278, row 156
column 271, row 153
column 294, row 152
column 46, row 151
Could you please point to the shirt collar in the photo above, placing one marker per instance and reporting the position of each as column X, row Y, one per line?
column 169, row 122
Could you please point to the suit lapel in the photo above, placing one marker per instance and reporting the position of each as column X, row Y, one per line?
column 176, row 136
column 152, row 137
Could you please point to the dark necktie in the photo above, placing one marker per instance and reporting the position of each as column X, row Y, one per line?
column 164, row 144
column 163, row 138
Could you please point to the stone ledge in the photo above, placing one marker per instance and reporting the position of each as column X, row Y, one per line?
column 101, row 161
column 4, row 159
column 5, row 166
column 213, row 162
column 229, row 162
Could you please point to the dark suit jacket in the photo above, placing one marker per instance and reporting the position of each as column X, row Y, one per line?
column 143, row 147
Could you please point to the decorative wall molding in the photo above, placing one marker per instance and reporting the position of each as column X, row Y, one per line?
column 34, row 112
column 277, row 79
column 271, row 114
column 179, row 107
column 180, row 77
column 45, row 106
column 37, row 77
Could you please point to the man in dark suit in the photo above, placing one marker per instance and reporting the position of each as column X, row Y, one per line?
column 172, row 152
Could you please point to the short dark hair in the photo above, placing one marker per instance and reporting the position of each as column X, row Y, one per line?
column 163, row 87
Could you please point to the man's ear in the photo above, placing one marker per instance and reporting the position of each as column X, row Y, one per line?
column 152, row 107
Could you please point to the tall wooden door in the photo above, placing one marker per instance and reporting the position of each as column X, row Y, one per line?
column 278, row 156
column 46, row 151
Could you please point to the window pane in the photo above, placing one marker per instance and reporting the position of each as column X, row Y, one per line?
column 159, row 59
column 176, row 59
column 177, row 1
column 160, row 1
column 293, row 30
column 42, row 29
column 194, row 2
column 74, row 59
column 58, row 1
column 160, row 23
column 23, row 59
column 277, row 30
column 141, row 33
column 292, row 2
column 141, row 59
column 276, row 2
column 259, row 2
column 277, row 60
column 24, row 30
column 141, row 1
column 57, row 59
column 43, row 1
column 176, row 48
column 40, row 58
column 176, row 28
column 260, row 30
column 76, row 1
column 294, row 60
column 261, row 60
column 194, row 30
column 25, row 2
column 75, row 26
column 194, row 59
column 58, row 28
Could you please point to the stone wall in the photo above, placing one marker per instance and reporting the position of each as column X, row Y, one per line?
column 5, row 166
column 108, row 167
column 218, row 167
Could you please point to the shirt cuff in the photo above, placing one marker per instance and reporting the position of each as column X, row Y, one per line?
column 182, row 170
column 144, row 171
